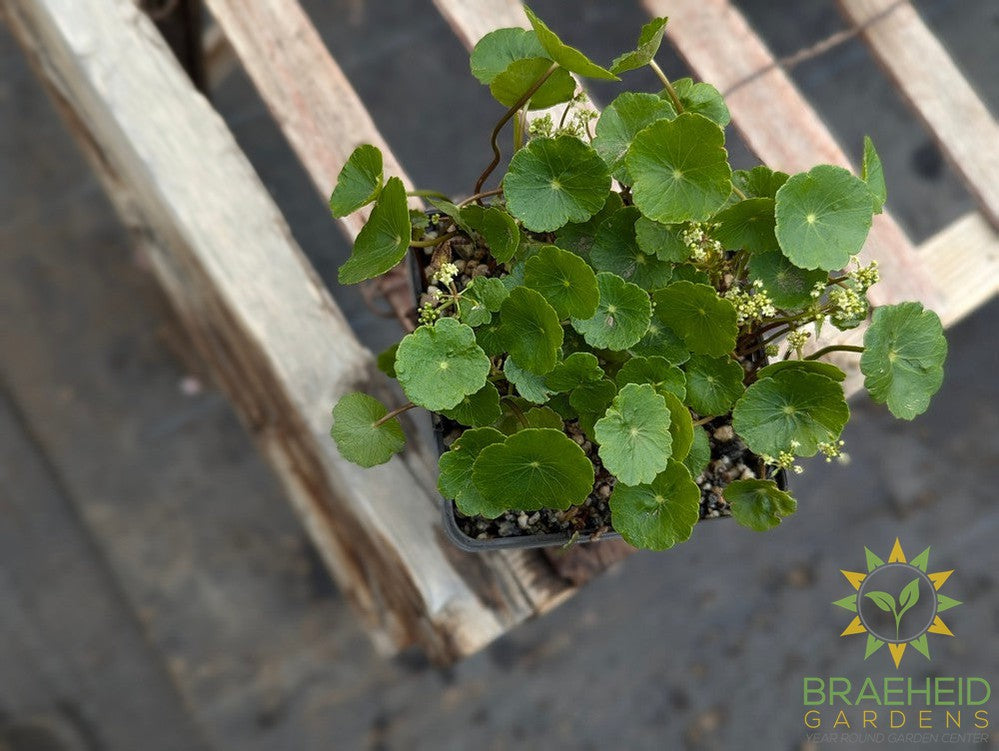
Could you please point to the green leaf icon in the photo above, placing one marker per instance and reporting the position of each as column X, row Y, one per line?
column 882, row 599
column 908, row 597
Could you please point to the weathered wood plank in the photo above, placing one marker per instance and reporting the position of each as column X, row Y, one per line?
column 257, row 314
column 936, row 90
column 778, row 124
column 473, row 19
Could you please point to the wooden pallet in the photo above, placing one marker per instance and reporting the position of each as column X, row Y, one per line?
column 275, row 339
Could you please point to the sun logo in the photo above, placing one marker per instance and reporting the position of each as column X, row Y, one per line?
column 897, row 603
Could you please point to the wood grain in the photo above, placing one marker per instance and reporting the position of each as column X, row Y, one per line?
column 255, row 311
column 936, row 90
column 779, row 125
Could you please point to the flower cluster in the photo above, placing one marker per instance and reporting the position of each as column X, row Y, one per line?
column 847, row 305
column 783, row 460
column 575, row 122
column 867, row 276
column 796, row 340
column 428, row 313
column 697, row 238
column 832, row 449
column 751, row 305
column 445, row 274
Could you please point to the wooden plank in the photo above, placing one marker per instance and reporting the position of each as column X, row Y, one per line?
column 778, row 124
column 936, row 90
column 75, row 661
column 473, row 19
column 256, row 312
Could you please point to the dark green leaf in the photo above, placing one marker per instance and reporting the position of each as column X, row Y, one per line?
column 759, row 182
column 359, row 181
column 438, row 365
column 664, row 241
column 793, row 411
column 811, row 366
column 699, row 454
column 655, row 371
column 478, row 409
column 788, row 286
column 635, row 442
column 577, row 369
column 620, row 121
column 552, row 181
column 496, row 50
column 386, row 361
column 531, row 330
column 622, row 316
column 661, row 341
column 615, row 249
column 702, row 98
column 533, row 469
column 579, row 237
column 873, row 174
column 565, row 280
column 356, row 436
column 823, row 217
column 660, row 514
column 680, row 169
column 713, row 384
column 499, row 230
column 383, row 240
column 455, row 479
column 758, row 504
column 566, row 56
column 706, row 322
column 681, row 425
column 529, row 385
column 748, row 224
column 902, row 362
column 648, row 45
column 510, row 85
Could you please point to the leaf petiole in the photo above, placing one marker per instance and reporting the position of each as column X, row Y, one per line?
column 834, row 348
column 394, row 413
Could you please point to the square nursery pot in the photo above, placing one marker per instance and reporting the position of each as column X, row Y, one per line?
column 513, row 531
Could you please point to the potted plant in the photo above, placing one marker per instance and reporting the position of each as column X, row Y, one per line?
column 595, row 335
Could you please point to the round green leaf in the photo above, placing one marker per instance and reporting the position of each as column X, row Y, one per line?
column 758, row 504
column 902, row 362
column 552, row 181
column 661, row 341
column 700, row 453
column 510, row 85
column 660, row 514
column 664, row 241
column 811, row 366
column 383, row 240
column 788, row 286
column 497, row 49
column 706, row 322
column 359, row 181
column 577, row 369
column 713, row 384
column 635, row 442
column 489, row 336
column 499, row 230
column 622, row 316
column 593, row 397
column 482, row 297
column 473, row 312
column 748, row 224
column 759, row 182
column 533, row 469
column 615, row 249
column 649, row 40
column 790, row 406
column 480, row 408
column 680, row 169
column 565, row 280
column 658, row 372
column 529, row 385
column 620, row 122
column 356, row 436
column 531, row 330
column 566, row 56
column 438, row 365
column 823, row 217
column 701, row 98
column 681, row 425
column 455, row 478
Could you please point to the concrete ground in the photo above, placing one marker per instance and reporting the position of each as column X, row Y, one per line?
column 157, row 592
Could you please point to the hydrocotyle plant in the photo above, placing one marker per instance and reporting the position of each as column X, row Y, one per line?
column 586, row 323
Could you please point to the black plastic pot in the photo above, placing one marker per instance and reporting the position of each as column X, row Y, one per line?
column 449, row 510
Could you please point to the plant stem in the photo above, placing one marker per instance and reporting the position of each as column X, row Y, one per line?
column 524, row 99
column 669, row 87
column 517, row 411
column 704, row 420
column 427, row 194
column 394, row 413
column 518, row 131
column 477, row 196
column 432, row 243
column 834, row 348
column 738, row 192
